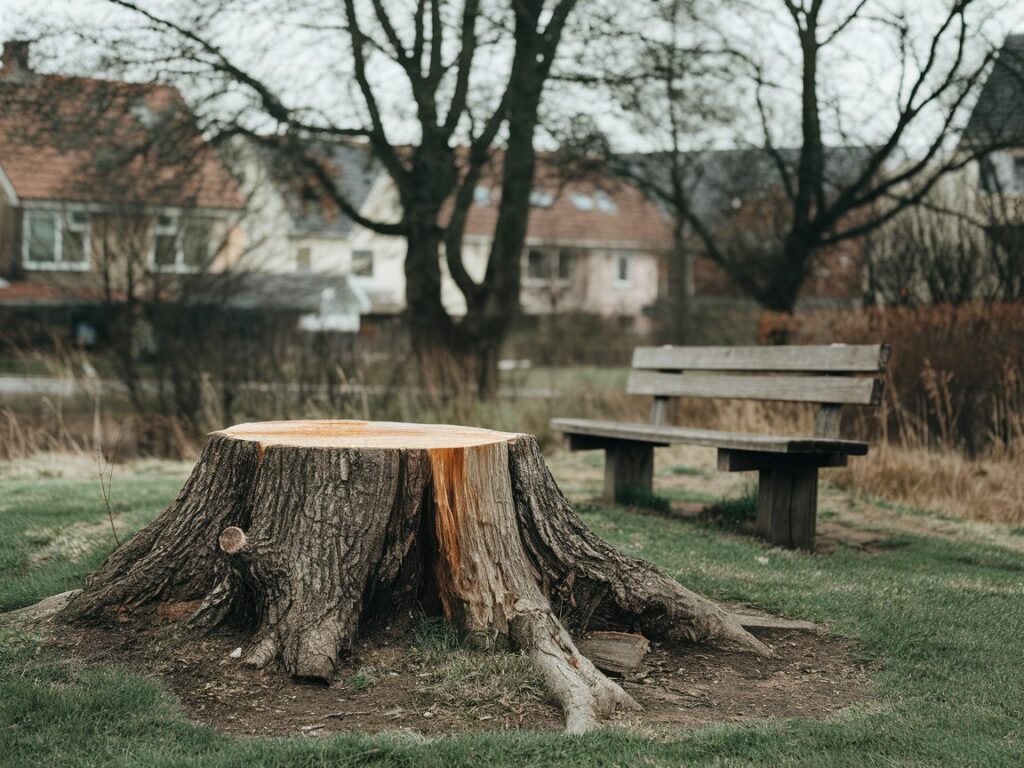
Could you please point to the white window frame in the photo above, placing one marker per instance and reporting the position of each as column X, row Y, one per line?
column 618, row 281
column 582, row 201
column 177, row 229
column 61, row 219
column 541, row 198
column 482, row 196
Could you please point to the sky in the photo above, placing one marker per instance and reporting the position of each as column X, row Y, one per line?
column 860, row 71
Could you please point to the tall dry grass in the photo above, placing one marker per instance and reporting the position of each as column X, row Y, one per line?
column 946, row 482
column 956, row 374
column 949, row 435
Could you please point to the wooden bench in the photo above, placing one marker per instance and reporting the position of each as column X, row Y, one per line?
column 787, row 497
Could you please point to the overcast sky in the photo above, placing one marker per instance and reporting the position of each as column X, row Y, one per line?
column 860, row 71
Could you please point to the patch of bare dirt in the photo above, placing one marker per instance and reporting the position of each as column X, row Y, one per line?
column 393, row 686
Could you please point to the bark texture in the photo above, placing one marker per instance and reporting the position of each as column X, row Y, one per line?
column 309, row 535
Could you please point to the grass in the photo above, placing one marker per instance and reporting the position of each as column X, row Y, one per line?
column 938, row 622
column 735, row 511
column 461, row 676
column 55, row 531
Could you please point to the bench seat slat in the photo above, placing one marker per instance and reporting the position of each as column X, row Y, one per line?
column 800, row 389
column 832, row 358
column 741, row 441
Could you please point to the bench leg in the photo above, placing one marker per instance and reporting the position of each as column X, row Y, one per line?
column 628, row 468
column 787, row 503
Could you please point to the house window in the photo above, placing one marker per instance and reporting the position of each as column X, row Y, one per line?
column 537, row 267
column 196, row 236
column 605, row 203
column 43, row 238
column 362, row 263
column 303, row 260
column 482, row 196
column 582, row 202
column 181, row 246
column 53, row 240
column 1018, row 173
column 563, row 264
column 623, row 270
column 165, row 254
column 541, row 198
column 543, row 265
column 987, row 175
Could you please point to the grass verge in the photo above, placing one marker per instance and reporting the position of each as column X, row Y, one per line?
column 938, row 621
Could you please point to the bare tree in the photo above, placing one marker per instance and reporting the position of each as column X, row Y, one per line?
column 469, row 74
column 766, row 215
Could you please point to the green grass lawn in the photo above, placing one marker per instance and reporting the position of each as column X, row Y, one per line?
column 939, row 623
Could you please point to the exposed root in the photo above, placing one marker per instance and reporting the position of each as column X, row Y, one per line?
column 583, row 691
column 44, row 609
column 594, row 584
column 173, row 559
column 493, row 588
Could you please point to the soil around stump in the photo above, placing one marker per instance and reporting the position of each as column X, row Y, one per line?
column 387, row 686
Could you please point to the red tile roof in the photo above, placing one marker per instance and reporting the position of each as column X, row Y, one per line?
column 87, row 140
column 23, row 293
column 602, row 211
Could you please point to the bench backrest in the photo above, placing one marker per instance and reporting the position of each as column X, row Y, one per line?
column 826, row 375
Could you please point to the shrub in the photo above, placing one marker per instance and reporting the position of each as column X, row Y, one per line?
column 955, row 379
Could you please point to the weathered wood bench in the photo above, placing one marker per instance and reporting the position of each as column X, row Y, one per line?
column 787, row 497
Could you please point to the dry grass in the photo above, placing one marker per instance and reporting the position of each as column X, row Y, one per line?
column 987, row 489
column 954, row 381
column 919, row 455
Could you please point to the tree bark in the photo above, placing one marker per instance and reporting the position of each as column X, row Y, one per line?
column 309, row 534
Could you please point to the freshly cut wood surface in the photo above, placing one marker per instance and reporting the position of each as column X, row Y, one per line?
column 326, row 433
column 832, row 358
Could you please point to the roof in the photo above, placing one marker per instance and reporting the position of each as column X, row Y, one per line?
column 88, row 140
column 717, row 180
column 353, row 168
column 34, row 294
column 596, row 210
column 998, row 115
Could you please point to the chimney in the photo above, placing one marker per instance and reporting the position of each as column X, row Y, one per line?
column 15, row 60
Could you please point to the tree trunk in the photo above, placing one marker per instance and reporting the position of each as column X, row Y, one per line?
column 311, row 533
column 680, row 289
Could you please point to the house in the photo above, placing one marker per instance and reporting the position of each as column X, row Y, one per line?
column 997, row 178
column 105, row 187
column 998, row 120
column 738, row 196
column 591, row 247
column 292, row 227
column 595, row 246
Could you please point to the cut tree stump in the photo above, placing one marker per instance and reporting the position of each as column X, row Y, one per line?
column 310, row 533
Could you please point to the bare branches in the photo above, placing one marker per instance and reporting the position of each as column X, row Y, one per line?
column 377, row 135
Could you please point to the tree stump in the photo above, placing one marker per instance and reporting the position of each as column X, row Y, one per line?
column 309, row 533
